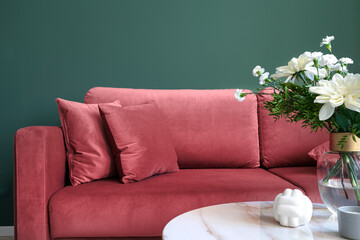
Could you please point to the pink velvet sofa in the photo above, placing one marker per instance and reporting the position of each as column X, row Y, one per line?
column 227, row 152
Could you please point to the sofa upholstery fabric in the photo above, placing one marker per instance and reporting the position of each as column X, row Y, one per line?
column 88, row 151
column 141, row 142
column 209, row 128
column 302, row 177
column 284, row 144
column 39, row 171
column 216, row 139
column 106, row 208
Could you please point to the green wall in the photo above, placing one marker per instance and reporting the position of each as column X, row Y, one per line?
column 52, row 49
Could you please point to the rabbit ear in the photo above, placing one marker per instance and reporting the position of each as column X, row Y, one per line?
column 296, row 193
column 287, row 192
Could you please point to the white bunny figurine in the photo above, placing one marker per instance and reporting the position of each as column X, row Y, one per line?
column 292, row 208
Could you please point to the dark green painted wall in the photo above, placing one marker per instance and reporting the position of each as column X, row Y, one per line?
column 52, row 49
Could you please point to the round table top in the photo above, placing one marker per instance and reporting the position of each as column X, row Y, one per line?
column 247, row 220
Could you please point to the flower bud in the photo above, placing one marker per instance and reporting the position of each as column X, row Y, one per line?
column 316, row 63
column 328, row 46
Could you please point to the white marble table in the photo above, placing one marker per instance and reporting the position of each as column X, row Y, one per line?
column 249, row 220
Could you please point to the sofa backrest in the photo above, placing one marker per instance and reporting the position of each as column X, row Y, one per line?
column 284, row 144
column 209, row 128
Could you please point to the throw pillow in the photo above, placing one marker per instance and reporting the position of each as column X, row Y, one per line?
column 318, row 151
column 88, row 152
column 142, row 145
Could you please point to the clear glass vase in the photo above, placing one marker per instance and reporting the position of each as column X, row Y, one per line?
column 338, row 173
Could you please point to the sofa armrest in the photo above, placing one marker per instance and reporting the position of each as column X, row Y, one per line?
column 39, row 171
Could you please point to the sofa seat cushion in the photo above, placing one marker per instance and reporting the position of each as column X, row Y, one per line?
column 107, row 208
column 209, row 128
column 302, row 177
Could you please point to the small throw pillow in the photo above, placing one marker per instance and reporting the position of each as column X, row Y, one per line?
column 318, row 151
column 142, row 145
column 88, row 152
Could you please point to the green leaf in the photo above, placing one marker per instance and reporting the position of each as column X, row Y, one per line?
column 343, row 122
column 357, row 118
column 342, row 141
column 292, row 86
column 356, row 127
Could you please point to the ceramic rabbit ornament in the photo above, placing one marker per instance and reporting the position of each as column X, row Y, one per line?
column 292, row 208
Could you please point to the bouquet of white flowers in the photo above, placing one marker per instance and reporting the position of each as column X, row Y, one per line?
column 310, row 74
column 317, row 90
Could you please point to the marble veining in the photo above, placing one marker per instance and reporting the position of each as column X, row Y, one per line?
column 248, row 220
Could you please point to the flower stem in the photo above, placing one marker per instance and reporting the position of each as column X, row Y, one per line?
column 352, row 174
column 347, row 162
column 334, row 171
column 343, row 166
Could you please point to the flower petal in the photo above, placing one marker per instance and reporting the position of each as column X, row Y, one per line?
column 337, row 77
column 346, row 60
column 322, row 73
column 326, row 112
column 238, row 95
column 309, row 75
column 353, row 104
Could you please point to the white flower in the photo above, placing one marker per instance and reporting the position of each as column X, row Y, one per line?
column 346, row 60
column 306, row 54
column 327, row 60
column 263, row 77
column 257, row 71
column 326, row 40
column 312, row 71
column 295, row 65
column 335, row 67
column 316, row 55
column 340, row 90
column 240, row 95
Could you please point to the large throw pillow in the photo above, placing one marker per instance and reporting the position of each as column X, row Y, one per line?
column 88, row 152
column 142, row 145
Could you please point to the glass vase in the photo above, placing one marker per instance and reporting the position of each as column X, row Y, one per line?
column 338, row 172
